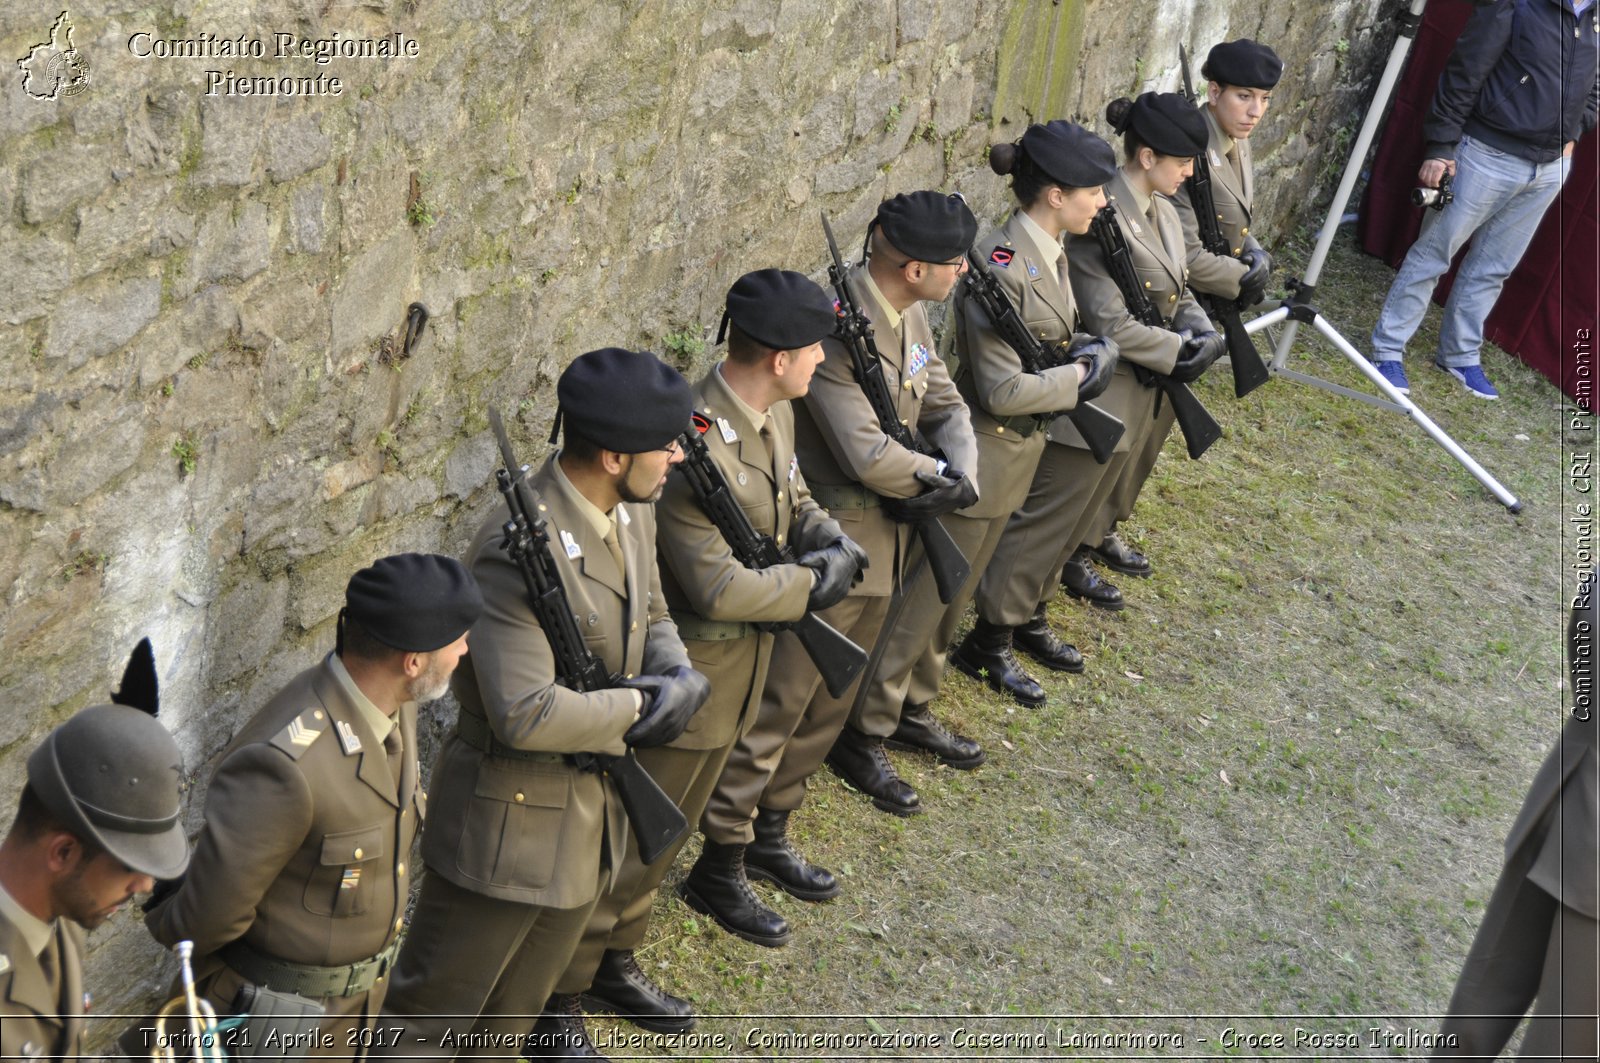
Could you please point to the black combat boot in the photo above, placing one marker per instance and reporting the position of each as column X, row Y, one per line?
column 859, row 760
column 920, row 731
column 717, row 887
column 985, row 654
column 1037, row 640
column 1118, row 556
column 773, row 859
column 1082, row 581
column 621, row 988
column 560, row 1033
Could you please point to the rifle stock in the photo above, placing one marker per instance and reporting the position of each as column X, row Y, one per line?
column 655, row 818
column 839, row 661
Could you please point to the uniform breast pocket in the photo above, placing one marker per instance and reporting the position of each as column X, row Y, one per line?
column 762, row 515
column 342, row 883
column 513, row 827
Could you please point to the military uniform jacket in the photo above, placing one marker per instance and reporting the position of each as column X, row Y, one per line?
column 40, row 1016
column 1560, row 821
column 843, row 450
column 989, row 373
column 1219, row 274
column 535, row 830
column 1158, row 259
column 307, row 837
column 702, row 580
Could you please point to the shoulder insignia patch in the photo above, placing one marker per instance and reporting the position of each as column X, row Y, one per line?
column 303, row 730
column 349, row 741
column 1000, row 256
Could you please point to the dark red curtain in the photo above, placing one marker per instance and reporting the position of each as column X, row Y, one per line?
column 1547, row 313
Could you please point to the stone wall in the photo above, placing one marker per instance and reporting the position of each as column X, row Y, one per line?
column 207, row 420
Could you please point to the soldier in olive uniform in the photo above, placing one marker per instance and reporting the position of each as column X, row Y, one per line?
column 97, row 823
column 1162, row 135
column 524, row 837
column 1241, row 76
column 1539, row 942
column 873, row 487
column 300, row 875
column 1056, row 172
column 775, row 322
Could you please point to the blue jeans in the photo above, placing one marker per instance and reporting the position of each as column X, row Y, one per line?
column 1500, row 198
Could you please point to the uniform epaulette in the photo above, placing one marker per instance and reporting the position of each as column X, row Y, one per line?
column 301, row 731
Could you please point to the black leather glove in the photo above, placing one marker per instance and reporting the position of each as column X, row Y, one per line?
column 670, row 700
column 1196, row 356
column 1099, row 357
column 838, row 566
column 945, row 494
column 1253, row 285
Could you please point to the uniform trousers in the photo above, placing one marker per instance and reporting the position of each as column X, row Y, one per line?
column 1529, row 948
column 795, row 727
column 1118, row 506
column 622, row 915
column 917, row 636
column 1063, row 502
column 477, row 965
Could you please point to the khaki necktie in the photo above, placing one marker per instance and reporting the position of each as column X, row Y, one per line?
column 50, row 959
column 1233, row 161
column 614, row 546
column 395, row 746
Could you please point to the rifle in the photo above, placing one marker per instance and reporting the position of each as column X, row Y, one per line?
column 1200, row 429
column 950, row 566
column 1249, row 371
column 1100, row 430
column 838, row 659
column 656, row 821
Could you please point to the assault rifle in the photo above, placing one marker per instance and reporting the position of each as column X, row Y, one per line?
column 950, row 566
column 656, row 821
column 1200, row 429
column 1100, row 430
column 1249, row 371
column 837, row 658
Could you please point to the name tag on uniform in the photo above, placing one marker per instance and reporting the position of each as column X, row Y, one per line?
column 919, row 359
column 568, row 543
column 728, row 434
column 348, row 738
column 794, row 466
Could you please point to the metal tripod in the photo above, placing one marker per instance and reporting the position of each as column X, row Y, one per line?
column 1298, row 308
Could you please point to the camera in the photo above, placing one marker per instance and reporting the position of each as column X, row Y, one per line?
column 1437, row 198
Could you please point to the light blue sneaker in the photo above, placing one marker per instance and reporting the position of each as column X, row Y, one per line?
column 1394, row 373
column 1472, row 377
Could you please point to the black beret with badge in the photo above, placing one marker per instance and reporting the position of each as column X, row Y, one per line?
column 1168, row 124
column 927, row 226
column 414, row 602
column 779, row 309
column 1245, row 63
column 1069, row 154
column 627, row 402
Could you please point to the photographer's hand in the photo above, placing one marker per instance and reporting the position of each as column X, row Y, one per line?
column 1435, row 169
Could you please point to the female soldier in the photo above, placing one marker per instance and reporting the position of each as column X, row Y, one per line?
column 1162, row 134
column 1056, row 170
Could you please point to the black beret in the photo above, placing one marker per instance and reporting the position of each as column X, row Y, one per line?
column 1168, row 124
column 1244, row 63
column 414, row 602
column 1069, row 154
column 928, row 226
column 624, row 401
column 780, row 309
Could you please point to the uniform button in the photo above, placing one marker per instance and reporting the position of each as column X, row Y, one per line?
column 1172, row 298
column 317, row 715
column 1244, row 232
column 780, row 496
column 905, row 385
column 398, row 923
column 404, row 812
column 742, row 480
column 357, row 853
column 779, row 540
column 1147, row 284
column 400, row 869
column 1238, row 250
column 628, row 676
column 634, row 626
column 517, row 797
column 1000, row 430
column 1219, row 215
column 904, row 423
column 543, row 508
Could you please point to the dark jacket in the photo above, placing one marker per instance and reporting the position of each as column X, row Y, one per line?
column 1521, row 79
